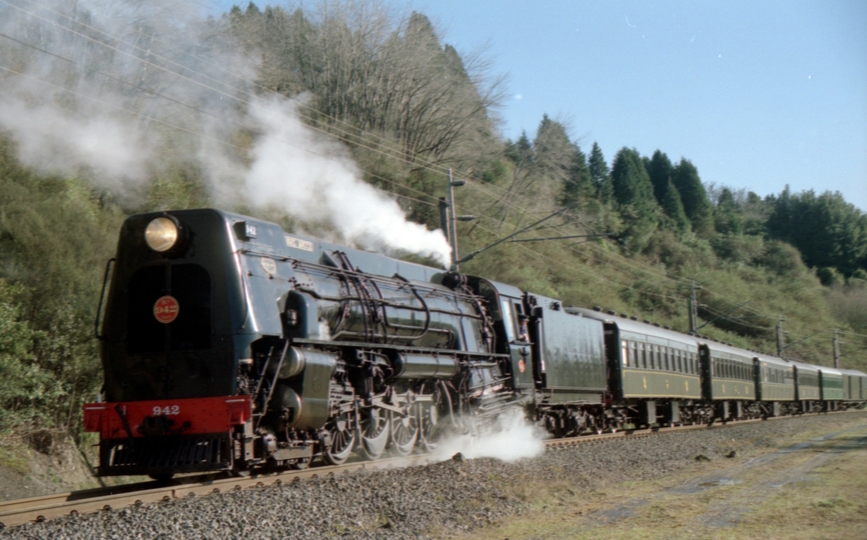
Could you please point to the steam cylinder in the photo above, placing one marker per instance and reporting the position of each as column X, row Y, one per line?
column 418, row 366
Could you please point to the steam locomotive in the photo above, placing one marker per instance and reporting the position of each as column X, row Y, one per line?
column 230, row 345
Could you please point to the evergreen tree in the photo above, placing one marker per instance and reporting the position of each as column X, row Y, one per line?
column 553, row 152
column 634, row 195
column 600, row 175
column 579, row 185
column 659, row 168
column 727, row 215
column 630, row 180
column 828, row 231
column 696, row 204
column 673, row 208
column 521, row 151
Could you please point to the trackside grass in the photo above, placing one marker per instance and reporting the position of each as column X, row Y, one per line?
column 811, row 486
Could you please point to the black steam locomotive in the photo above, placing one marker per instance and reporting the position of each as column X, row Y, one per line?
column 228, row 344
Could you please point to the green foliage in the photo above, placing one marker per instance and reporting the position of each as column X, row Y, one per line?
column 55, row 237
column 829, row 276
column 739, row 249
column 727, row 216
column 673, row 208
column 28, row 391
column 849, row 304
column 659, row 169
column 694, row 198
column 781, row 259
column 600, row 175
column 826, row 229
column 634, row 195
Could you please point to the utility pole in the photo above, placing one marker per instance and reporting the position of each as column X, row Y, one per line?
column 452, row 232
column 836, row 349
column 444, row 219
column 693, row 309
column 780, row 345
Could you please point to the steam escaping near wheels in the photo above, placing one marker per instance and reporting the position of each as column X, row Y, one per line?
column 511, row 437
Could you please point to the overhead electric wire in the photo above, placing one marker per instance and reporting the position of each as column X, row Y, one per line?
column 401, row 155
column 173, row 126
column 352, row 138
column 244, row 101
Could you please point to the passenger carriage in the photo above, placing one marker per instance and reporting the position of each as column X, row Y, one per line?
column 854, row 386
column 652, row 369
column 775, row 385
column 728, row 379
column 831, row 384
column 808, row 392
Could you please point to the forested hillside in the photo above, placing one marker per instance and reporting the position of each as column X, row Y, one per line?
column 271, row 111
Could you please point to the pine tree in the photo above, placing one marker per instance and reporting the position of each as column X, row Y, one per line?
column 828, row 231
column 696, row 204
column 673, row 208
column 728, row 218
column 630, row 180
column 552, row 150
column 579, row 185
column 521, row 151
column 600, row 175
column 659, row 168
column 634, row 195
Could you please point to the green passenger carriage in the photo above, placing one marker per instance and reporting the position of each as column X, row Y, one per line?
column 775, row 380
column 651, row 367
column 831, row 383
column 728, row 378
column 807, row 389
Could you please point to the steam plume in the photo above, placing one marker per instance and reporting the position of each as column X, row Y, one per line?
column 121, row 100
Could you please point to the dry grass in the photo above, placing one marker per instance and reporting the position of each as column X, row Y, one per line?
column 816, row 492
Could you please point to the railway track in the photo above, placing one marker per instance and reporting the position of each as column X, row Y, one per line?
column 35, row 509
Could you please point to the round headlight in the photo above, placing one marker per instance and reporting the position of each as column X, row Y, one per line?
column 161, row 234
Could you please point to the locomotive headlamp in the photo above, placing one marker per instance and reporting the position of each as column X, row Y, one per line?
column 161, row 234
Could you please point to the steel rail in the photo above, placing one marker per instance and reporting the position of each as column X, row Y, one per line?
column 47, row 507
column 37, row 509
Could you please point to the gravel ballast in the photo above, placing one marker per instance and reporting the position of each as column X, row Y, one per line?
column 428, row 501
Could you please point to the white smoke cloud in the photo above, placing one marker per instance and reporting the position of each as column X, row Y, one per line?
column 56, row 140
column 86, row 114
column 512, row 438
column 315, row 179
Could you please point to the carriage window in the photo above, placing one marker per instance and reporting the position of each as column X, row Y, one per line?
column 624, row 352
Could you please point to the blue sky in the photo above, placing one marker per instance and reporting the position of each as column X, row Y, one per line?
column 757, row 94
